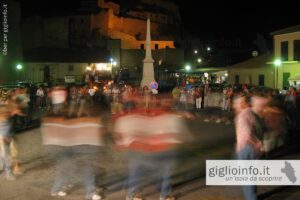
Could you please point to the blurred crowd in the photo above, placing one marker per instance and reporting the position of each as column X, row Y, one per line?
column 148, row 125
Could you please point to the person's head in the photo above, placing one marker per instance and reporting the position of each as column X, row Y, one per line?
column 240, row 103
column 258, row 103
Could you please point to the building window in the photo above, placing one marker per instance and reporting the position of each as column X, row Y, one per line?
column 142, row 46
column 156, row 46
column 297, row 50
column 71, row 68
column 261, row 80
column 284, row 51
column 237, row 79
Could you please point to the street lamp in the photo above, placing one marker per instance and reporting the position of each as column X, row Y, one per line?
column 277, row 64
column 187, row 67
column 199, row 60
column 19, row 67
column 113, row 64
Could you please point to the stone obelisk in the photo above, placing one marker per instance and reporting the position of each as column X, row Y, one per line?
column 148, row 68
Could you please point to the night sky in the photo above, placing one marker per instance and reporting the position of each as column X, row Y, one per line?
column 231, row 22
column 211, row 20
column 231, row 19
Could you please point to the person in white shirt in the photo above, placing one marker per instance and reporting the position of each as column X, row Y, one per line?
column 91, row 95
column 58, row 98
column 40, row 94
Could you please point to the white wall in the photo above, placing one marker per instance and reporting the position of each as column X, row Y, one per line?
column 244, row 75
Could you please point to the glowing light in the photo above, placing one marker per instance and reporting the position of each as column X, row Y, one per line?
column 188, row 67
column 277, row 62
column 88, row 68
column 196, row 51
column 102, row 67
column 114, row 63
column 208, row 49
column 19, row 67
column 206, row 75
column 254, row 53
column 199, row 60
column 226, row 74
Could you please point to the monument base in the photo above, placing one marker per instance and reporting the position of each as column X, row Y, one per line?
column 146, row 81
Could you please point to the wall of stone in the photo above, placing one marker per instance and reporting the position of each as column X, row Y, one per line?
column 129, row 42
column 131, row 26
column 100, row 22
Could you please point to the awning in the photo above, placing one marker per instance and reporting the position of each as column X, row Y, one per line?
column 295, row 78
